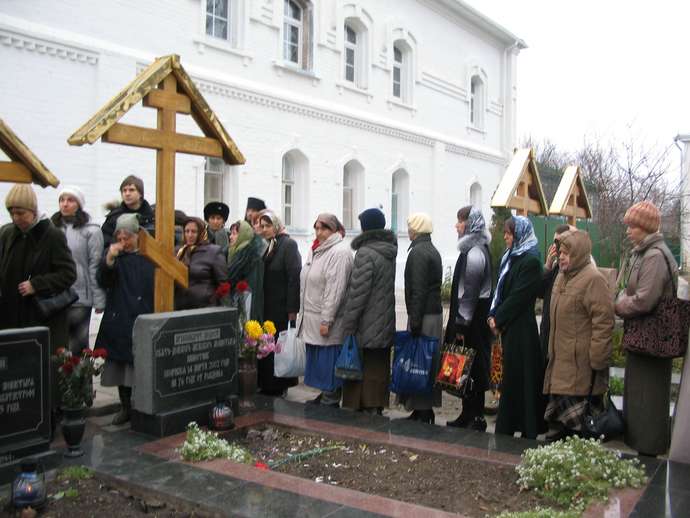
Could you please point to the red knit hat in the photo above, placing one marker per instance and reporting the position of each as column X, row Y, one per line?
column 644, row 215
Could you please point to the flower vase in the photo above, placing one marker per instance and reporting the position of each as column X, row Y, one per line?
column 247, row 382
column 73, row 424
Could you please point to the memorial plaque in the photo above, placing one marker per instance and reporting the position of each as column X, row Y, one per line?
column 24, row 394
column 183, row 360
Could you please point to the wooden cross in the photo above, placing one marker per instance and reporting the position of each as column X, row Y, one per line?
column 520, row 187
column 166, row 87
column 23, row 166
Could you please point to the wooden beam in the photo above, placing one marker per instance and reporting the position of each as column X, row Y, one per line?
column 527, row 204
column 15, row 172
column 154, row 252
column 164, row 99
column 155, row 139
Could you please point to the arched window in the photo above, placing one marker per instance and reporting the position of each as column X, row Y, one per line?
column 402, row 72
column 297, row 33
column 477, row 102
column 353, row 190
column 400, row 200
column 476, row 195
column 215, row 171
column 355, row 53
column 293, row 186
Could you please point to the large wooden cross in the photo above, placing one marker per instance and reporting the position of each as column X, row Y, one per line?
column 165, row 87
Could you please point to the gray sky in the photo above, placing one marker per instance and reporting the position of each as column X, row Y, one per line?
column 594, row 67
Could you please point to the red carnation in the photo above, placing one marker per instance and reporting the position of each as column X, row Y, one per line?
column 261, row 465
column 75, row 360
column 222, row 290
column 67, row 368
column 242, row 286
column 100, row 352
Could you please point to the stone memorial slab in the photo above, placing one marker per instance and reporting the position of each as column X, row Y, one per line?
column 24, row 396
column 183, row 360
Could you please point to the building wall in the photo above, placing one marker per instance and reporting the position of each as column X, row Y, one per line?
column 61, row 61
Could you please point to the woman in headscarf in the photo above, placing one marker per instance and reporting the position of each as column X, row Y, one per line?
column 245, row 263
column 206, row 265
column 282, row 265
column 423, row 277
column 323, row 283
column 521, row 408
column 648, row 276
column 470, row 299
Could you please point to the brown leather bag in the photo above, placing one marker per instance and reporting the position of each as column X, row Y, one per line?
column 662, row 333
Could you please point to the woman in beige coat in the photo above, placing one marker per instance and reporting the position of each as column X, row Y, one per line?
column 580, row 337
column 646, row 279
column 323, row 283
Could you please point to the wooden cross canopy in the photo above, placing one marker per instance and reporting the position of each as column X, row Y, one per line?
column 571, row 198
column 166, row 87
column 520, row 188
column 24, row 166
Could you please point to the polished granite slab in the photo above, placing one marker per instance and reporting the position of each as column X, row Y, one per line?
column 246, row 491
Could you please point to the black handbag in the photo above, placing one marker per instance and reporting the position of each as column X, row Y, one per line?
column 49, row 305
column 605, row 425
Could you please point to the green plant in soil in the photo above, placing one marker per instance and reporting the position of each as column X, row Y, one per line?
column 75, row 473
column 575, row 472
column 616, row 386
column 201, row 445
column 540, row 512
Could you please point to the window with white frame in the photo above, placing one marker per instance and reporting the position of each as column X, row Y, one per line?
column 218, row 22
column 353, row 194
column 214, row 180
column 398, row 72
column 355, row 57
column 288, row 190
column 476, row 195
column 400, row 199
column 350, row 53
column 293, row 32
column 402, row 71
column 477, row 102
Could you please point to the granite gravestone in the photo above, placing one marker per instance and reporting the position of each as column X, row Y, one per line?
column 183, row 361
column 24, row 397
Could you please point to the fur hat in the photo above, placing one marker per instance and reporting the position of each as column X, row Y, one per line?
column 372, row 219
column 22, row 196
column 644, row 215
column 75, row 192
column 216, row 208
column 128, row 222
column 420, row 223
column 255, row 204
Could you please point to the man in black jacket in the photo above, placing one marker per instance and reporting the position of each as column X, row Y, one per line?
column 132, row 192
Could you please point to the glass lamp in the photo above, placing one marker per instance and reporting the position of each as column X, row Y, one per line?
column 29, row 488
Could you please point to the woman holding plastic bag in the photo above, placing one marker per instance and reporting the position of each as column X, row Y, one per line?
column 323, row 283
column 423, row 274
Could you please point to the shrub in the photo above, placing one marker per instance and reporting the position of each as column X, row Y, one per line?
column 616, row 386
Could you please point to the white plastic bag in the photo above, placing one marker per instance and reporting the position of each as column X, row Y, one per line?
column 290, row 356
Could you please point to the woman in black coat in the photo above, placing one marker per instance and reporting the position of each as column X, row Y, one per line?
column 282, row 266
column 522, row 404
column 127, row 278
column 206, row 264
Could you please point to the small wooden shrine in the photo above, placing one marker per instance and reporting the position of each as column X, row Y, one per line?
column 571, row 199
column 23, row 166
column 520, row 188
column 167, row 88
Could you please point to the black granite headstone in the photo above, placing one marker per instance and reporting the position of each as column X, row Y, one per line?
column 182, row 361
column 24, row 396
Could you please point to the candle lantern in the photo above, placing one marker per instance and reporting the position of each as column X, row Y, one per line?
column 29, row 488
column 221, row 417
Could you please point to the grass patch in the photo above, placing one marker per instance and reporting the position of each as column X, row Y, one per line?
column 75, row 473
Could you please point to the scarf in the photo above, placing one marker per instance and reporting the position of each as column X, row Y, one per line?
column 279, row 228
column 524, row 242
column 184, row 254
column 475, row 232
column 245, row 234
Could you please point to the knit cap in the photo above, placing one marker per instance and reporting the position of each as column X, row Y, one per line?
column 22, row 196
column 644, row 215
column 128, row 222
column 372, row 219
column 75, row 192
column 420, row 223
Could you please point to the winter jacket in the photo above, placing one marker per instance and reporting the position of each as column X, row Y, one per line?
column 41, row 256
column 547, row 280
column 581, row 324
column 146, row 220
column 423, row 276
column 281, row 281
column 86, row 244
column 247, row 265
column 370, row 300
column 646, row 277
column 220, row 238
column 207, row 269
column 323, row 284
column 129, row 293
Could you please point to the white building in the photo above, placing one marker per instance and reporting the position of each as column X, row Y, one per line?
column 337, row 105
column 683, row 141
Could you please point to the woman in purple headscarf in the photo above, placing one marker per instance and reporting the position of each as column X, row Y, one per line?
column 521, row 408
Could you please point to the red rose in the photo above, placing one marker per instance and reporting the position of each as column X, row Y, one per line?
column 242, row 286
column 100, row 352
column 222, row 290
column 261, row 465
column 67, row 368
column 75, row 360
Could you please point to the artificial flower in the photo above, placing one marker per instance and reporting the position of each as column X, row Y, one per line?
column 242, row 286
column 253, row 329
column 269, row 327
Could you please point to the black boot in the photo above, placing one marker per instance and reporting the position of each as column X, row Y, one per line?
column 426, row 416
column 414, row 416
column 465, row 417
column 126, row 405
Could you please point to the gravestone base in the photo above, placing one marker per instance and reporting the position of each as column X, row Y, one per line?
column 176, row 421
column 48, row 460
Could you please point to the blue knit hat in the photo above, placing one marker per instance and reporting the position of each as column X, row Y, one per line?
column 372, row 219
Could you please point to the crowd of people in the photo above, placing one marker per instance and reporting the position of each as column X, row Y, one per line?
column 551, row 373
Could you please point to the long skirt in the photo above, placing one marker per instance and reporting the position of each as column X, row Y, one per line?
column 432, row 325
column 320, row 369
column 646, row 401
column 372, row 390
